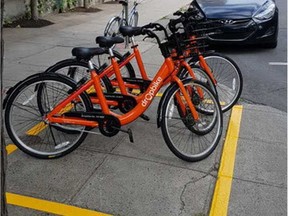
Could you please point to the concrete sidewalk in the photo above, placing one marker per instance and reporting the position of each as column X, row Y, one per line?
column 114, row 176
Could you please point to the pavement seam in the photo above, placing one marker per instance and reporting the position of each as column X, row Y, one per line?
column 262, row 141
column 24, row 57
column 83, row 185
column 93, row 172
column 22, row 63
column 152, row 161
column 270, row 184
column 250, row 102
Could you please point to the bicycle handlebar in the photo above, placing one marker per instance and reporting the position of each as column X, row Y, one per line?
column 156, row 27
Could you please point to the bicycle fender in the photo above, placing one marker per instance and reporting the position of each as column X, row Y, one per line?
column 8, row 93
column 11, row 90
column 160, row 105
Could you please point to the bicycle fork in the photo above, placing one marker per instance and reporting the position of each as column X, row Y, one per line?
column 187, row 99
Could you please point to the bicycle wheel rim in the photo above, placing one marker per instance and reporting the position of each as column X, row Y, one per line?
column 180, row 139
column 229, row 80
column 113, row 27
column 29, row 131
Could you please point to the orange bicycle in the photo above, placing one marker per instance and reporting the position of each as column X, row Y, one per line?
column 222, row 70
column 191, row 117
column 77, row 68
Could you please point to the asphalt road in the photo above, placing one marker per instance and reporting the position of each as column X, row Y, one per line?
column 264, row 82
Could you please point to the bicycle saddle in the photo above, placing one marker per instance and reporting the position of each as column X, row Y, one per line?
column 108, row 42
column 130, row 31
column 124, row 3
column 86, row 53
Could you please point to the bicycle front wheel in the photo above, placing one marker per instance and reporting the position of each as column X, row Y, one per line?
column 27, row 126
column 229, row 79
column 189, row 139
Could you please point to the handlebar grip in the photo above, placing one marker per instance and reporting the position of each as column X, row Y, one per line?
column 147, row 32
column 150, row 25
column 177, row 13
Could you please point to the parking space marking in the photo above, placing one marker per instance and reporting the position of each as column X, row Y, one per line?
column 10, row 148
column 278, row 63
column 49, row 206
column 220, row 202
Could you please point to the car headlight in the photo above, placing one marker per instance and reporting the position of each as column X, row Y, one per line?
column 266, row 12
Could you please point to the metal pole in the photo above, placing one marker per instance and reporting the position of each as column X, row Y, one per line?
column 126, row 8
column 3, row 153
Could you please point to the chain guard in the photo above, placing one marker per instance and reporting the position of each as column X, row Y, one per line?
column 108, row 125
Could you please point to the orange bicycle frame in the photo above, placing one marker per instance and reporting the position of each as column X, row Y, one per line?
column 163, row 76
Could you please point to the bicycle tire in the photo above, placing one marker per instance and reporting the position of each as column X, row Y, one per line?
column 200, row 74
column 228, row 76
column 170, row 115
column 27, row 127
column 109, row 31
column 71, row 66
column 133, row 21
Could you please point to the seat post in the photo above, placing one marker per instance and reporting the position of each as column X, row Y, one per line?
column 90, row 65
column 111, row 52
column 133, row 42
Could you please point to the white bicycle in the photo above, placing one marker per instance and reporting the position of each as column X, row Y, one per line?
column 112, row 27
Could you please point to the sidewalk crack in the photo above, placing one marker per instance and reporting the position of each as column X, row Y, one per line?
column 193, row 181
column 92, row 173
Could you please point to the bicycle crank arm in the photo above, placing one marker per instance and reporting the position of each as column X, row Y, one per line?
column 129, row 132
column 145, row 117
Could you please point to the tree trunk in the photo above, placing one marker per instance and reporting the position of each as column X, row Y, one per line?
column 86, row 4
column 3, row 154
column 34, row 10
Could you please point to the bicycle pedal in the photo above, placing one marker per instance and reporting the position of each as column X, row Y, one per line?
column 129, row 132
column 145, row 117
column 130, row 135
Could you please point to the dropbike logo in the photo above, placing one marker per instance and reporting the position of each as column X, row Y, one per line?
column 149, row 96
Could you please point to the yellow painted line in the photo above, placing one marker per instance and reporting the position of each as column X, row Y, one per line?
column 223, row 186
column 49, row 206
column 10, row 148
column 35, row 130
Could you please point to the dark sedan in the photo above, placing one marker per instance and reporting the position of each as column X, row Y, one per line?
column 245, row 21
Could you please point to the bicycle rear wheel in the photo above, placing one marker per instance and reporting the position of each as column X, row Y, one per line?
column 78, row 69
column 179, row 130
column 27, row 126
